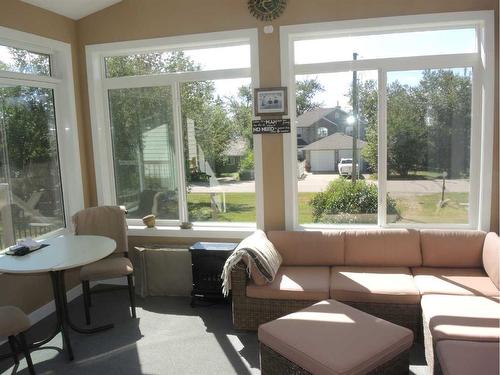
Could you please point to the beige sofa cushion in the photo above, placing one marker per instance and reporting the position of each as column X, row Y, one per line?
column 468, row 357
column 299, row 283
column 333, row 338
column 309, row 248
column 448, row 248
column 373, row 284
column 457, row 281
column 491, row 257
column 383, row 247
column 469, row 318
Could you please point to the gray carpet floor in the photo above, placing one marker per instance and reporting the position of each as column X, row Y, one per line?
column 168, row 337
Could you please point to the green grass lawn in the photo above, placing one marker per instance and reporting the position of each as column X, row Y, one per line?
column 240, row 207
column 423, row 208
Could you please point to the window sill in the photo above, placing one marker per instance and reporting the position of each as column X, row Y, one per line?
column 239, row 232
column 326, row 227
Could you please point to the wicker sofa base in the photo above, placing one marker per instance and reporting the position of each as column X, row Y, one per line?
column 404, row 315
column 250, row 313
column 273, row 363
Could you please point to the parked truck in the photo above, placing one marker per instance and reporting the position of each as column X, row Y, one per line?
column 345, row 167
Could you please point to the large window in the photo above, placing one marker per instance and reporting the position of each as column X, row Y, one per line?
column 36, row 116
column 177, row 129
column 395, row 121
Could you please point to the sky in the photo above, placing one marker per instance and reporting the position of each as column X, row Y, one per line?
column 341, row 49
column 377, row 46
column 336, row 49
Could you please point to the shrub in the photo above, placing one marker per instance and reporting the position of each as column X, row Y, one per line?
column 343, row 200
column 247, row 162
column 246, row 167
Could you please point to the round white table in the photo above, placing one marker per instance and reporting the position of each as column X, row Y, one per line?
column 64, row 252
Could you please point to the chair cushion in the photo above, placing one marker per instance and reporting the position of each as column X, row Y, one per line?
column 383, row 247
column 107, row 221
column 296, row 283
column 452, row 248
column 468, row 357
column 491, row 257
column 469, row 318
column 13, row 321
column 309, row 248
column 330, row 337
column 108, row 268
column 457, row 281
column 373, row 284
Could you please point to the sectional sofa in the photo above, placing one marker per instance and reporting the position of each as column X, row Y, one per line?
column 447, row 280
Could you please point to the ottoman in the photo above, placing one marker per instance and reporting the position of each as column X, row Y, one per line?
column 468, row 357
column 330, row 338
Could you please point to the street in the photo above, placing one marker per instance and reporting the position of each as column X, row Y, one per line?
column 318, row 182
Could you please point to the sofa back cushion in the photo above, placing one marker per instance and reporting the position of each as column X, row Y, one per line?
column 309, row 248
column 452, row 248
column 491, row 257
column 383, row 247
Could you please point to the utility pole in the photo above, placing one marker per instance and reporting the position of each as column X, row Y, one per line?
column 354, row 171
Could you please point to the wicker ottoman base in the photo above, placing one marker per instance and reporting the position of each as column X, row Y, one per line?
column 272, row 363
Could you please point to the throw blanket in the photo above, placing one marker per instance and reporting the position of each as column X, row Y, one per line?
column 256, row 249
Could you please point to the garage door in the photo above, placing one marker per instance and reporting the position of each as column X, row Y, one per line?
column 323, row 161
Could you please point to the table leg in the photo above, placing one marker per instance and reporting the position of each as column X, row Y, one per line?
column 66, row 315
column 61, row 309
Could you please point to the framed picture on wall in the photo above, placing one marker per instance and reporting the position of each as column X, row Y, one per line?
column 270, row 101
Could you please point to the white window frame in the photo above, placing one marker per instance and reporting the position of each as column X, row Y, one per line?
column 61, row 82
column 98, row 86
column 482, row 63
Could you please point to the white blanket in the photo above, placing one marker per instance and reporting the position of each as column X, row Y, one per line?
column 257, row 250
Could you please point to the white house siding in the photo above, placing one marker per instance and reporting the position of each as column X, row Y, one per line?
column 159, row 157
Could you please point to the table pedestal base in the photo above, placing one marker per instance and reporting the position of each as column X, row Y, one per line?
column 63, row 320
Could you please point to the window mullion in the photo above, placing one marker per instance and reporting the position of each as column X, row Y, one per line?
column 382, row 147
column 179, row 153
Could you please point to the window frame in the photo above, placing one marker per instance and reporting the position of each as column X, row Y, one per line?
column 98, row 86
column 61, row 81
column 482, row 63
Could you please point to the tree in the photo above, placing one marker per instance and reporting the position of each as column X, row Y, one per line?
column 406, row 130
column 241, row 111
column 447, row 96
column 306, row 90
column 368, row 110
column 28, row 148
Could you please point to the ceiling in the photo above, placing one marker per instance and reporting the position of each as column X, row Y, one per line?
column 74, row 9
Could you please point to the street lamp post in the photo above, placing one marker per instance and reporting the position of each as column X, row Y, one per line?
column 354, row 171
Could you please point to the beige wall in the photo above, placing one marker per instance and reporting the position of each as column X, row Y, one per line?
column 140, row 19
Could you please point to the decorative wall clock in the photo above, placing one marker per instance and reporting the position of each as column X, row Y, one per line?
column 266, row 10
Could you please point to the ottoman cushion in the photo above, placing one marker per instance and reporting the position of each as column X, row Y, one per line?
column 330, row 337
column 468, row 357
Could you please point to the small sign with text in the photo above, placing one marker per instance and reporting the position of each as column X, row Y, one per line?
column 277, row 126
